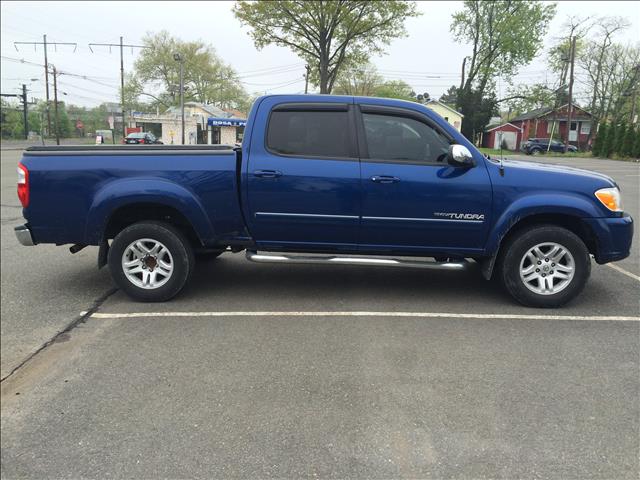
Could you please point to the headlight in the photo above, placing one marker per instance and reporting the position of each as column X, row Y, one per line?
column 610, row 198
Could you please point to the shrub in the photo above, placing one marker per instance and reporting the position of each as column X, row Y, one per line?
column 618, row 142
column 636, row 145
column 609, row 141
column 627, row 142
column 599, row 140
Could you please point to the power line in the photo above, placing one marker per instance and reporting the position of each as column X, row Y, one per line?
column 46, row 65
column 121, row 45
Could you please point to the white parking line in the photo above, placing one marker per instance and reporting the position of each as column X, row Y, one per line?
column 507, row 316
column 623, row 271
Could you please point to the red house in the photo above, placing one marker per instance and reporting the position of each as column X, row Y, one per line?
column 540, row 123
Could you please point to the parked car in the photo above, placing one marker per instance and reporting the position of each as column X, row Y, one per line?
column 141, row 138
column 317, row 176
column 535, row 146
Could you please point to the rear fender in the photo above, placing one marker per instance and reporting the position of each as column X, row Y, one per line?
column 119, row 193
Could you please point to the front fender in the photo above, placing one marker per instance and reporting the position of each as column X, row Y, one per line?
column 122, row 192
column 543, row 203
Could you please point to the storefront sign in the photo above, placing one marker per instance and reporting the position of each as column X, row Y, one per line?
column 226, row 122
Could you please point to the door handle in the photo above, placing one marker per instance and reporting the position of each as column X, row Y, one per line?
column 384, row 179
column 267, row 173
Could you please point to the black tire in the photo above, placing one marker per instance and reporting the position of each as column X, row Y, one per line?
column 513, row 252
column 535, row 151
column 177, row 245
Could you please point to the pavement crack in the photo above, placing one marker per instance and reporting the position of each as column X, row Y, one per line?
column 62, row 334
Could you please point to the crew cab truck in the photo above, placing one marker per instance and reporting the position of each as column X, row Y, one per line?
column 326, row 179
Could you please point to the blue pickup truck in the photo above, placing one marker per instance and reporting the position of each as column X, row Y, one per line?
column 326, row 179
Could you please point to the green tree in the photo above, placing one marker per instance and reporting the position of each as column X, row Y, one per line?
column 395, row 89
column 598, row 144
column 618, row 142
column 636, row 145
column 609, row 141
column 524, row 98
column 627, row 143
column 207, row 79
column 362, row 80
column 451, row 96
column 504, row 35
column 11, row 119
column 328, row 35
column 477, row 110
column 64, row 124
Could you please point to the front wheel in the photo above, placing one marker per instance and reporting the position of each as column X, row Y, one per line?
column 545, row 266
column 150, row 261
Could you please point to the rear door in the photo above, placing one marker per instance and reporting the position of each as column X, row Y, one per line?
column 412, row 200
column 303, row 177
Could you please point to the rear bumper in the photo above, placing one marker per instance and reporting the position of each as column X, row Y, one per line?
column 614, row 236
column 23, row 234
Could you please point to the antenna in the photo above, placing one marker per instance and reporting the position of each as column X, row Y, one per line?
column 501, row 134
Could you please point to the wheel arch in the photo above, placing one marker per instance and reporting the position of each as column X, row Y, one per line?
column 121, row 203
column 571, row 222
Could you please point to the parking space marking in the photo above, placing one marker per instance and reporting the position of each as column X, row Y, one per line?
column 506, row 316
column 623, row 271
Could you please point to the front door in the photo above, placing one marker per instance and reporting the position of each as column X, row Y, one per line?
column 412, row 200
column 573, row 132
column 304, row 180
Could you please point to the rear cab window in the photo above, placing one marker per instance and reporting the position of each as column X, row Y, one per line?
column 310, row 132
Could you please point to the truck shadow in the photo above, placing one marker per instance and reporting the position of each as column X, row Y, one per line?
column 332, row 285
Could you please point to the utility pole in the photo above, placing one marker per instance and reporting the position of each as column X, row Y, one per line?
column 46, row 82
column 25, row 113
column 124, row 128
column 46, row 67
column 55, row 104
column 570, row 109
column 180, row 59
column 121, row 45
column 306, row 79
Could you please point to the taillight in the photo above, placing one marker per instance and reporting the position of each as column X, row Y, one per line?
column 141, row 140
column 23, row 185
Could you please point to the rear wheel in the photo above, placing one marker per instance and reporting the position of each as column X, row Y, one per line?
column 150, row 261
column 545, row 266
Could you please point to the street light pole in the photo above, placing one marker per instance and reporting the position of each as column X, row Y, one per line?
column 178, row 58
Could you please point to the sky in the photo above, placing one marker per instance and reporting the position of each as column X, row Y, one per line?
column 427, row 58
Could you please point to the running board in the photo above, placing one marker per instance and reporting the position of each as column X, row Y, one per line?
column 346, row 260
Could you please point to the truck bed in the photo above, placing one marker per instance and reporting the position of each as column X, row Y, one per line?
column 69, row 183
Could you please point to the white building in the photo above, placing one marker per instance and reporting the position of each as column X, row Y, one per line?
column 203, row 124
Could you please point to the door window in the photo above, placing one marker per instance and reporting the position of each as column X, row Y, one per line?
column 309, row 134
column 404, row 140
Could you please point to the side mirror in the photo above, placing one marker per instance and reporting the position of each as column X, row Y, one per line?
column 460, row 156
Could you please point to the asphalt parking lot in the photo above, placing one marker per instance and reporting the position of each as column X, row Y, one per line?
column 278, row 371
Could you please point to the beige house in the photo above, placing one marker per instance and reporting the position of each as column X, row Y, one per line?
column 445, row 111
column 203, row 124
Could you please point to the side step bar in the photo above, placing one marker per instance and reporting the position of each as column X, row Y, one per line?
column 346, row 260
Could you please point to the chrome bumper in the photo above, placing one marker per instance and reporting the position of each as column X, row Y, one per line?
column 23, row 234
